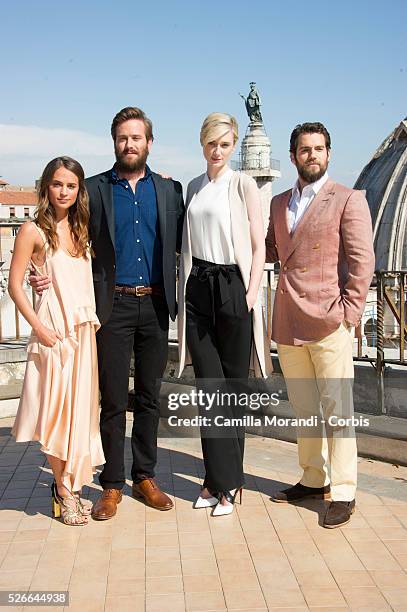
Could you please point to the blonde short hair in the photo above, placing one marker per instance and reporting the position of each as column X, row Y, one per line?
column 216, row 125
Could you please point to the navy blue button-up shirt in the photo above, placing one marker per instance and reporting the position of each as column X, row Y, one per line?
column 137, row 234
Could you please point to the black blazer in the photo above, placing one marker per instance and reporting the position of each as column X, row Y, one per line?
column 101, row 229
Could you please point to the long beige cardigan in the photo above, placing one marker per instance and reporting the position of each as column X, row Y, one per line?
column 238, row 192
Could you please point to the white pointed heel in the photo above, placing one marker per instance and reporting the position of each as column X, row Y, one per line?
column 206, row 502
column 222, row 510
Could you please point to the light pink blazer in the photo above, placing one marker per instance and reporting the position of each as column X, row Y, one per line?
column 327, row 263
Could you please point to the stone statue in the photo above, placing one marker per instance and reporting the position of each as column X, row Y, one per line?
column 253, row 103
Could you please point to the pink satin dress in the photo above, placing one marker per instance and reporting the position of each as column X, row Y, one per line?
column 59, row 404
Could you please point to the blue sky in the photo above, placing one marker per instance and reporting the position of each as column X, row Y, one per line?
column 67, row 69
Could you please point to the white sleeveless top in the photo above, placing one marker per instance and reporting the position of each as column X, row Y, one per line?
column 209, row 219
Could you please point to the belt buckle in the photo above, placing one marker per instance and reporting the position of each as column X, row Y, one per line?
column 137, row 290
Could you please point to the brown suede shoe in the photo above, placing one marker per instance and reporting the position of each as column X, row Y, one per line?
column 148, row 491
column 339, row 513
column 106, row 505
column 300, row 491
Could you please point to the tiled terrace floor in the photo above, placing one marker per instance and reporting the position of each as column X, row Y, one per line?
column 264, row 556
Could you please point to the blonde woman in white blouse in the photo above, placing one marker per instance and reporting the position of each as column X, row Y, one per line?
column 220, row 322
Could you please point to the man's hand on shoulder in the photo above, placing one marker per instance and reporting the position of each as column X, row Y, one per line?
column 39, row 282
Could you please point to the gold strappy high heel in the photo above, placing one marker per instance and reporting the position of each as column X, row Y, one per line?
column 62, row 509
column 84, row 509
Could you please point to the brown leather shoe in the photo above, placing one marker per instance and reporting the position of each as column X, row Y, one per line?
column 106, row 505
column 152, row 495
column 339, row 513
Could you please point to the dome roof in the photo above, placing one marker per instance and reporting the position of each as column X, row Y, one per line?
column 385, row 181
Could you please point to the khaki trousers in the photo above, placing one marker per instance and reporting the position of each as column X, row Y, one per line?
column 319, row 378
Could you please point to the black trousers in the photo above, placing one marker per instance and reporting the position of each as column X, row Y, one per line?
column 219, row 335
column 138, row 324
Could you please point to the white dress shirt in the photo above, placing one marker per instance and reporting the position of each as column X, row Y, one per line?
column 209, row 221
column 299, row 202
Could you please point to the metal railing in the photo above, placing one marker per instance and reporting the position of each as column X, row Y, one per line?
column 391, row 292
column 257, row 161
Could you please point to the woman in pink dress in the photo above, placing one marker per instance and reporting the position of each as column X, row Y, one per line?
column 59, row 404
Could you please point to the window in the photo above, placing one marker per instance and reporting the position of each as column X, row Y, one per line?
column 26, row 212
column 12, row 211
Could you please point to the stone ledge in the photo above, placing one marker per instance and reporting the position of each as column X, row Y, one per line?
column 8, row 407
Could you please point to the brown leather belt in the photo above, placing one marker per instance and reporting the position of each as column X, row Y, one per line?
column 140, row 290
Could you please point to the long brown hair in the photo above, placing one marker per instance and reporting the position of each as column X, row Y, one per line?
column 78, row 214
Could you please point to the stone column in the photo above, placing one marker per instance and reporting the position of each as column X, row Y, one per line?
column 255, row 160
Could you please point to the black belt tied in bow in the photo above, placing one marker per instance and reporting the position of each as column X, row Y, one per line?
column 211, row 272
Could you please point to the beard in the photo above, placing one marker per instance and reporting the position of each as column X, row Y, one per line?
column 132, row 166
column 310, row 175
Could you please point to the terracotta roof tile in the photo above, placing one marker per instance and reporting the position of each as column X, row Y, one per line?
column 18, row 198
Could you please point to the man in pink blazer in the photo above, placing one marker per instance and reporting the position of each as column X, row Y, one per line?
column 321, row 233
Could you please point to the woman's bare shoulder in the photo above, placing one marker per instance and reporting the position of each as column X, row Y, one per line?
column 30, row 234
column 28, row 229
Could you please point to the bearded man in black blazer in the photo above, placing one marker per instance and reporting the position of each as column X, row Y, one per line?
column 136, row 219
